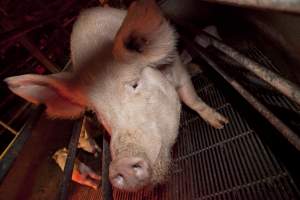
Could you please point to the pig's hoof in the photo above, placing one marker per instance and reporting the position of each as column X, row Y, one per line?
column 215, row 119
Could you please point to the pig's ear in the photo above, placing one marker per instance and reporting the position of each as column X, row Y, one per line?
column 55, row 91
column 144, row 33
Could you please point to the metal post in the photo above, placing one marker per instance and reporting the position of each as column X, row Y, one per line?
column 106, row 159
column 291, row 136
column 64, row 186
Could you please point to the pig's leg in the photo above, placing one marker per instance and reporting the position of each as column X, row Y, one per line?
column 84, row 179
column 88, row 182
column 189, row 96
column 94, row 175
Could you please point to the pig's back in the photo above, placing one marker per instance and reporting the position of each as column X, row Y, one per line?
column 92, row 32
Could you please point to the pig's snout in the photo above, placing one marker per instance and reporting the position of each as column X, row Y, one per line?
column 129, row 173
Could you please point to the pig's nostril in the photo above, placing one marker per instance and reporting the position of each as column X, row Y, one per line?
column 130, row 173
column 119, row 179
column 136, row 166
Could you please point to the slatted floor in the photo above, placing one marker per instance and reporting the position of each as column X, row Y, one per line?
column 231, row 163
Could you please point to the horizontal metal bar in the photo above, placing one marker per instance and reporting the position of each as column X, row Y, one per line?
column 12, row 151
column 280, row 5
column 77, row 128
column 291, row 136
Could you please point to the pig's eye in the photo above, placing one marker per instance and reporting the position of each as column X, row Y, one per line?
column 134, row 85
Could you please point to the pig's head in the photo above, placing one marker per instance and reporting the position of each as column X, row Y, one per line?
column 145, row 131
column 131, row 97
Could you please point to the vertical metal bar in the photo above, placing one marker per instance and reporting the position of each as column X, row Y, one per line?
column 291, row 136
column 106, row 159
column 64, row 186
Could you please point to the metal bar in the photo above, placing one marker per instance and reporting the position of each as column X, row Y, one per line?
column 67, row 66
column 33, row 49
column 7, row 127
column 280, row 5
column 53, row 68
column 15, row 33
column 13, row 149
column 19, row 112
column 106, row 159
column 77, row 128
column 291, row 136
column 283, row 85
column 8, row 124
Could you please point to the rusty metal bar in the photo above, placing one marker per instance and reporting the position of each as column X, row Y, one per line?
column 106, row 159
column 291, row 136
column 64, row 186
column 283, row 85
column 280, row 5
column 12, row 151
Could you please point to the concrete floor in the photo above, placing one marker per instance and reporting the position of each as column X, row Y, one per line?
column 34, row 175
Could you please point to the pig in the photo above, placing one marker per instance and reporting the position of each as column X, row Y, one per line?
column 86, row 142
column 81, row 174
column 127, row 70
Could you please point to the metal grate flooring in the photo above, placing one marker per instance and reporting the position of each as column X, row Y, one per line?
column 231, row 163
